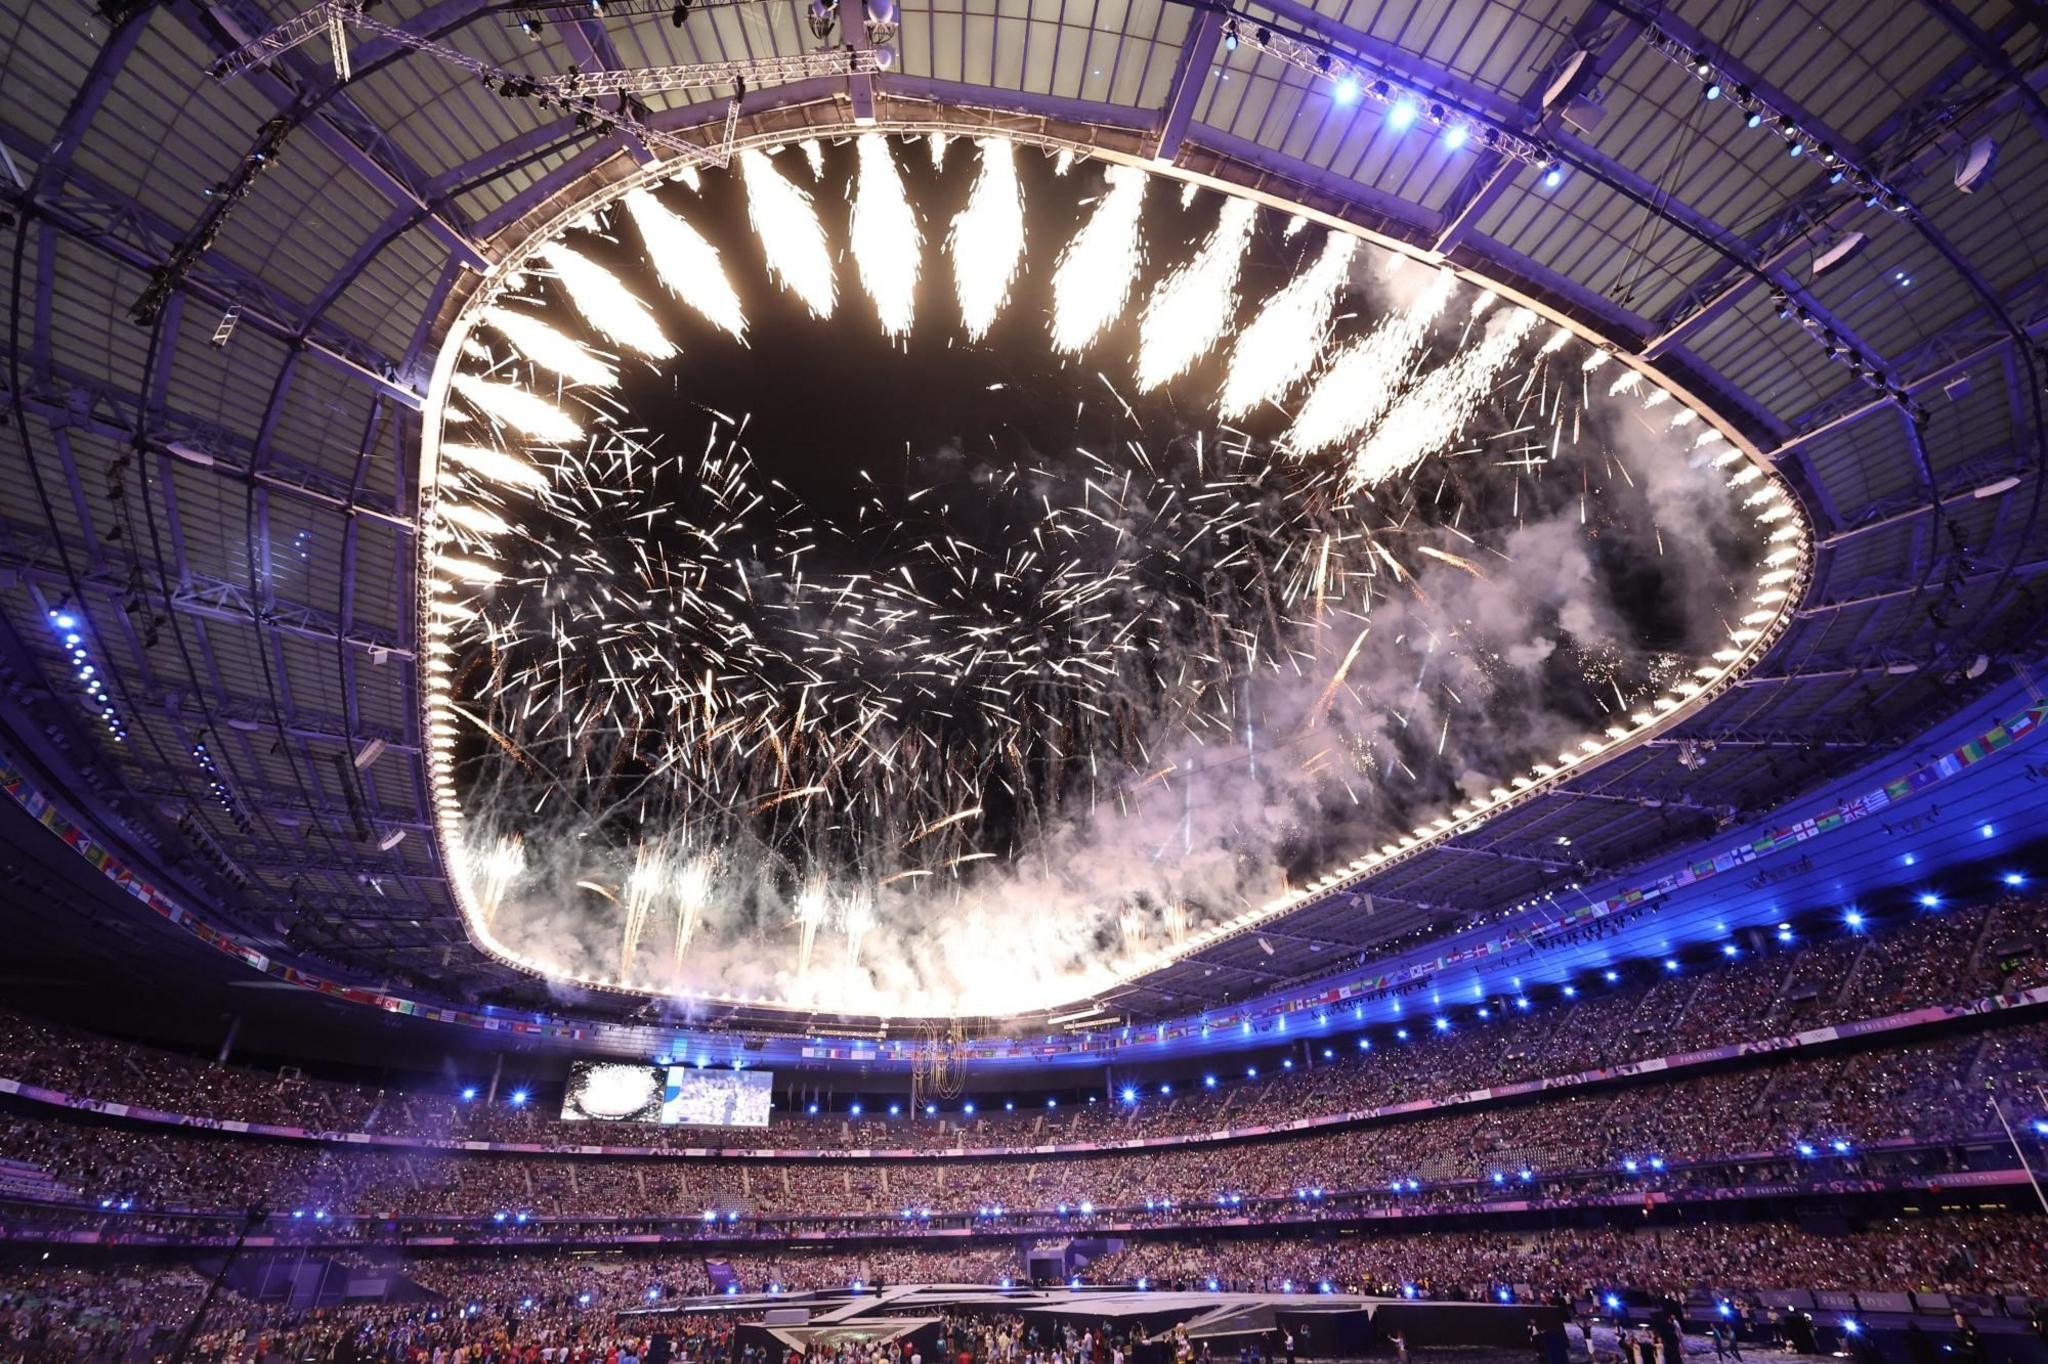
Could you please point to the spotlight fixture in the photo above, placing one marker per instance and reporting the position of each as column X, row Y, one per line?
column 1568, row 70
column 1841, row 251
column 680, row 15
column 1976, row 164
column 1713, row 90
column 532, row 26
column 1230, row 36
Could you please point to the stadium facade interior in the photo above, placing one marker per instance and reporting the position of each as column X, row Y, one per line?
column 1023, row 678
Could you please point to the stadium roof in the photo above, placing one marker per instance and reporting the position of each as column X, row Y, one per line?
column 223, row 494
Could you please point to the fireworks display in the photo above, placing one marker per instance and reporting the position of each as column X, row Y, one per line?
column 1216, row 553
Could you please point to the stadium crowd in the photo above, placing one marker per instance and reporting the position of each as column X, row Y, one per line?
column 1768, row 989
column 1794, row 1118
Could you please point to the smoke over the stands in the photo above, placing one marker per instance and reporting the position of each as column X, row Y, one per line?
column 1538, row 577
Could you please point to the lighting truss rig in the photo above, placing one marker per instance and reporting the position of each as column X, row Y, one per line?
column 575, row 90
column 1351, row 79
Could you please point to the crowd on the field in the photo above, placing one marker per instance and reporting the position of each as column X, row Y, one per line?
column 562, row 1307
column 1965, row 1254
column 1770, row 988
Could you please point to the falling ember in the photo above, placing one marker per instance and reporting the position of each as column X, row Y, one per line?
column 887, row 245
column 515, row 407
column 1095, row 272
column 1284, row 339
column 607, row 305
column 786, row 221
column 1188, row 312
column 549, row 349
column 1356, row 388
column 686, row 263
column 987, row 240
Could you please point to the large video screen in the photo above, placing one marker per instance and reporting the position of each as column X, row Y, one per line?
column 617, row 1091
column 613, row 1091
column 718, row 1098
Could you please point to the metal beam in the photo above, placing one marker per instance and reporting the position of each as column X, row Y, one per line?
column 336, row 126
column 28, row 554
column 1190, row 78
column 1905, row 148
column 248, row 713
column 1974, row 340
column 1991, row 53
column 121, row 229
column 1491, row 175
column 68, row 402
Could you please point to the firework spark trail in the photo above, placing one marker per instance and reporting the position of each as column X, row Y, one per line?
column 888, row 246
column 1096, row 271
column 1425, row 418
column 786, row 221
column 687, row 264
column 548, row 348
column 495, row 871
column 1284, row 339
column 690, row 886
column 644, row 886
column 1188, row 312
column 518, row 409
column 612, row 309
column 1454, row 560
column 856, row 921
column 812, row 910
column 1356, row 388
column 987, row 240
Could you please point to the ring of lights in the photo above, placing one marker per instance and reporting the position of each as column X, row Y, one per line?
column 1787, row 564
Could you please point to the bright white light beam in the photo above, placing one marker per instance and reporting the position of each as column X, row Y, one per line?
column 786, row 221
column 1356, row 388
column 987, row 241
column 887, row 245
column 1188, row 312
column 1096, row 270
column 688, row 265
column 1289, row 332
column 549, row 349
column 518, row 409
column 607, row 304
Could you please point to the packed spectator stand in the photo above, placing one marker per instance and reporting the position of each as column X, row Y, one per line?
column 1673, row 1180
